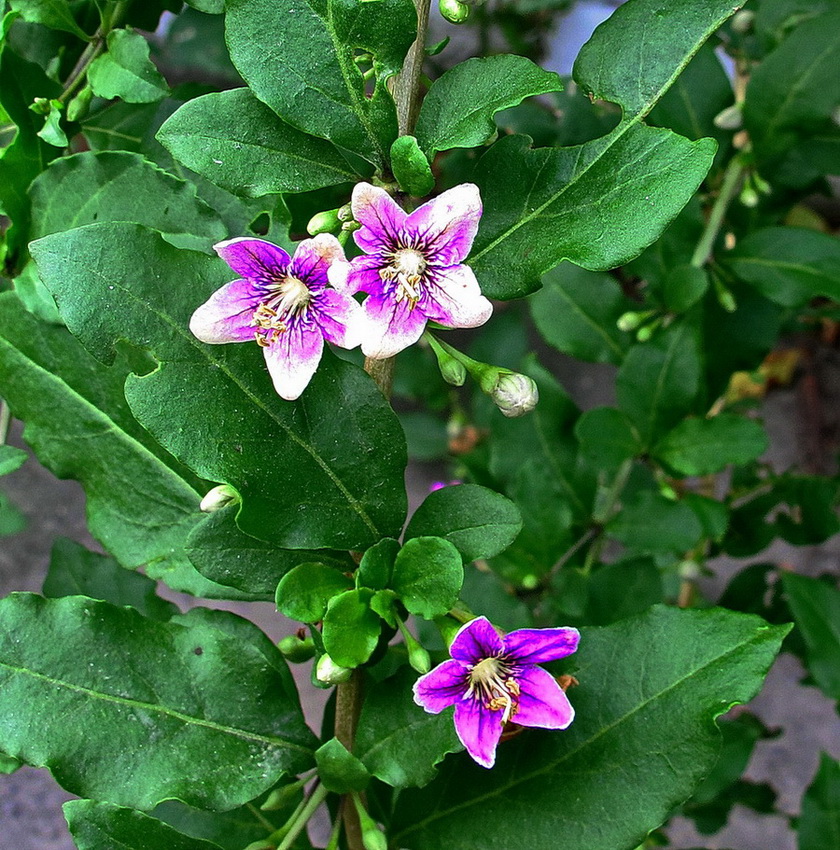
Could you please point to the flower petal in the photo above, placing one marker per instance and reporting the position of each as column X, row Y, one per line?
column 340, row 318
column 476, row 640
column 453, row 298
column 536, row 646
column 227, row 316
column 441, row 687
column 542, row 702
column 390, row 326
column 380, row 216
column 293, row 358
column 255, row 259
column 364, row 275
column 447, row 224
column 313, row 257
column 479, row 729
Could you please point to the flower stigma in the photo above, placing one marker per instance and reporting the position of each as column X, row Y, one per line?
column 407, row 267
column 288, row 298
column 496, row 686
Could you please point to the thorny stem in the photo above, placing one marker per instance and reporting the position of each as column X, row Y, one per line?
column 729, row 188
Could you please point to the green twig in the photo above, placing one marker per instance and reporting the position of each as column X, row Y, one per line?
column 407, row 87
column 729, row 188
column 5, row 419
column 288, row 833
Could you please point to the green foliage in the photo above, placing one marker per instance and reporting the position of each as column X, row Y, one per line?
column 305, row 591
column 126, row 71
column 305, row 70
column 340, row 770
column 816, row 608
column 75, row 570
column 220, row 697
column 11, row 459
column 55, row 14
column 351, row 627
column 697, row 664
column 250, row 420
column 396, row 740
column 428, row 574
column 819, row 822
column 95, row 825
column 411, row 168
column 479, row 522
column 238, row 143
column 458, row 110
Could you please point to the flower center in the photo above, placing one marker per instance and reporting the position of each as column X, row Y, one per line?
column 407, row 268
column 492, row 681
column 286, row 299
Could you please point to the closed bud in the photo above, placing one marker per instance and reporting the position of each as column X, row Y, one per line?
column 514, row 394
column 742, row 22
column 296, row 649
column 730, row 118
column 632, row 320
column 78, row 107
column 281, row 798
column 749, row 197
column 323, row 222
column 345, row 213
column 374, row 839
column 331, row 673
column 218, row 498
column 454, row 11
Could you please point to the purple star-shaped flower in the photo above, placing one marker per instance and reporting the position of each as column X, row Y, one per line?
column 413, row 267
column 492, row 679
column 284, row 304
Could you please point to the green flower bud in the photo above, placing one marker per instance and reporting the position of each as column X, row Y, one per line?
column 218, row 498
column 297, row 650
column 331, row 673
column 323, row 222
column 514, row 394
column 454, row 11
column 418, row 658
column 78, row 106
column 345, row 213
column 742, row 22
column 280, row 798
column 632, row 320
column 731, row 118
column 373, row 839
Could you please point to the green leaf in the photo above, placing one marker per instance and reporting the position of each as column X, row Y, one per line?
column 649, row 690
column 8, row 764
column 12, row 519
column 651, row 523
column 622, row 589
column 377, row 564
column 75, row 570
column 54, row 14
column 576, row 311
column 788, row 265
column 816, row 608
column 658, row 383
column 792, row 93
column 238, row 143
column 477, row 521
column 69, row 665
column 108, row 186
column 305, row 591
column 141, row 503
column 11, row 459
column 397, row 740
column 683, row 287
column 819, row 823
column 225, row 555
column 299, row 59
column 706, row 446
column 607, row 438
column 339, row 770
column 209, row 7
column 598, row 204
column 458, row 110
column 411, row 168
column 428, row 574
column 52, row 132
column 126, row 71
column 95, row 826
column 214, row 407
column 351, row 628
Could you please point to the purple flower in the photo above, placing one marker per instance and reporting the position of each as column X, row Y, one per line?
column 412, row 270
column 492, row 679
column 284, row 305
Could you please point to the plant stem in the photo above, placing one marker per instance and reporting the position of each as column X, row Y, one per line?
column 407, row 85
column 5, row 419
column 348, row 707
column 294, row 829
column 382, row 371
column 728, row 189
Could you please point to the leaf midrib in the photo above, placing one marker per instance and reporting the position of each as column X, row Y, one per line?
column 612, row 138
column 243, row 734
column 501, row 790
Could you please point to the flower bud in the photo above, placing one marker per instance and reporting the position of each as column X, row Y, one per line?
column 331, row 673
column 742, row 22
column 374, row 839
column 282, row 797
column 418, row 658
column 323, row 222
column 218, row 498
column 730, row 118
column 454, row 11
column 297, row 649
column 514, row 394
column 78, row 107
column 632, row 320
column 345, row 213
